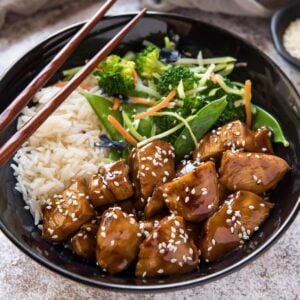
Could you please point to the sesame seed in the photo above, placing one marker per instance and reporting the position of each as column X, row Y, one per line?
column 183, row 137
column 191, row 251
column 256, row 228
column 177, row 223
column 155, row 234
column 144, row 274
column 210, row 206
column 254, row 177
column 209, row 248
column 173, row 260
column 186, row 199
column 116, row 183
column 251, row 207
column 232, row 229
column 213, row 241
column 160, row 271
column 237, row 133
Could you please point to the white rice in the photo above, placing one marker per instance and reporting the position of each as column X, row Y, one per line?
column 61, row 149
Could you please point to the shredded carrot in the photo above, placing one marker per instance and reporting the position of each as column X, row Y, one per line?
column 122, row 130
column 135, row 76
column 158, row 107
column 60, row 83
column 144, row 101
column 247, row 98
column 116, row 104
column 84, row 86
column 213, row 78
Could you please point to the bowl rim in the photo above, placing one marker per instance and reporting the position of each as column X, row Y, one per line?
column 277, row 39
column 154, row 287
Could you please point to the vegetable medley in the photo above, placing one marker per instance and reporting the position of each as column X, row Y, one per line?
column 159, row 93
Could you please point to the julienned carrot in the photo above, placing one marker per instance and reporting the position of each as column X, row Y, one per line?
column 158, row 107
column 116, row 104
column 122, row 130
column 60, row 83
column 135, row 76
column 144, row 101
column 213, row 78
column 247, row 98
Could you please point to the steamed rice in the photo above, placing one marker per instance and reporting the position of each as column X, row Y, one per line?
column 61, row 149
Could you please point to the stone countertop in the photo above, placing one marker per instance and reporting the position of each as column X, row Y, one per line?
column 274, row 275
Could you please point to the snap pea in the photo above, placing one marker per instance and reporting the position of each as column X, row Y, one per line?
column 102, row 108
column 146, row 124
column 263, row 118
column 205, row 118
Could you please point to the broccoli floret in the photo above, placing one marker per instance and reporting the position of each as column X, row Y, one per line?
column 115, row 75
column 147, row 63
column 190, row 106
column 231, row 112
column 171, row 78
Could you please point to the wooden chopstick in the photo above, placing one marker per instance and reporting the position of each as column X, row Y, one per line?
column 12, row 111
column 9, row 148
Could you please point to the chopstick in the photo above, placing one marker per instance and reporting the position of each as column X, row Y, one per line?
column 12, row 111
column 9, row 148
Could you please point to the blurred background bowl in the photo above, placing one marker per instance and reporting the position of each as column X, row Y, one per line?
column 272, row 90
column 279, row 23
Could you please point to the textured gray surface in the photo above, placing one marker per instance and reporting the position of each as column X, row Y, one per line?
column 275, row 275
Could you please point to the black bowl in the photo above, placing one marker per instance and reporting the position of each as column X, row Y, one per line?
column 272, row 90
column 280, row 21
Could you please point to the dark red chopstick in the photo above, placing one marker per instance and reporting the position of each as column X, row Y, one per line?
column 12, row 111
column 35, row 122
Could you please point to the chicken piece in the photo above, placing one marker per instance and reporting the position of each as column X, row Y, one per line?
column 155, row 204
column 238, row 218
column 252, row 172
column 100, row 195
column 151, row 166
column 186, row 166
column 168, row 250
column 84, row 241
column 234, row 135
column 194, row 230
column 194, row 196
column 263, row 141
column 110, row 185
column 64, row 214
column 223, row 193
column 118, row 240
column 147, row 226
column 127, row 206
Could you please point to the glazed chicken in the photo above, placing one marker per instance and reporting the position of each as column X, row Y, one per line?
column 251, row 171
column 151, row 166
column 118, row 240
column 110, row 185
column 262, row 139
column 64, row 214
column 238, row 218
column 84, row 241
column 159, row 216
column 195, row 195
column 167, row 250
column 155, row 204
column 234, row 135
